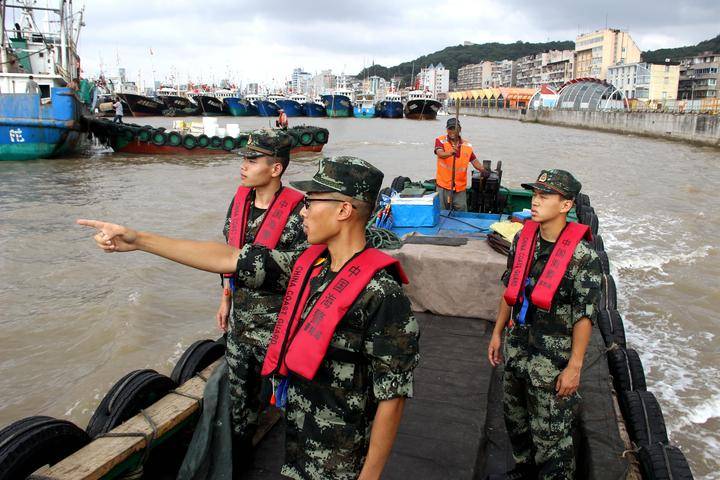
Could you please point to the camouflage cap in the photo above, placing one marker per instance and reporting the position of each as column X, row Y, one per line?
column 267, row 143
column 350, row 176
column 556, row 181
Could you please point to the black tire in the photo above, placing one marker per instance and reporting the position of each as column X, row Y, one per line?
column 174, row 139
column 144, row 135
column 203, row 140
column 33, row 442
column 216, row 142
column 228, row 143
column 321, row 136
column 627, row 370
column 197, row 357
column 608, row 293
column 583, row 200
column 126, row 133
column 611, row 326
column 294, row 138
column 663, row 462
column 159, row 138
column 604, row 262
column 398, row 184
column 189, row 141
column 643, row 417
column 597, row 243
column 242, row 141
column 306, row 138
column 137, row 390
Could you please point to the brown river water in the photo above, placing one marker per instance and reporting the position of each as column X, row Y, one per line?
column 74, row 320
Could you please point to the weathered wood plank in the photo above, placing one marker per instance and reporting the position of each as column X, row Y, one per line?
column 103, row 454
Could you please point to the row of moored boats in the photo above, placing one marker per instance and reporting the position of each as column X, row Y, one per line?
column 419, row 105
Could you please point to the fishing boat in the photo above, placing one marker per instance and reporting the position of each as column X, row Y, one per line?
column 315, row 108
column 46, row 123
column 453, row 426
column 176, row 104
column 338, row 103
column 293, row 106
column 267, row 107
column 421, row 105
column 391, row 106
column 209, row 104
column 239, row 107
column 364, row 106
column 141, row 105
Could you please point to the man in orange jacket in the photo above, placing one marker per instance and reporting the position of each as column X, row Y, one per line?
column 453, row 156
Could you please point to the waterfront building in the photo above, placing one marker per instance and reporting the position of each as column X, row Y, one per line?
column 529, row 71
column 480, row 75
column 300, row 81
column 508, row 73
column 557, row 68
column 252, row 89
column 596, row 51
column 699, row 77
column 323, row 82
column 434, row 78
column 646, row 81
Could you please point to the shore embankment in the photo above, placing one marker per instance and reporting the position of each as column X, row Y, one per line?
column 699, row 129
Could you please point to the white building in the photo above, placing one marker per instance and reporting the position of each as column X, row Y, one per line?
column 301, row 81
column 435, row 79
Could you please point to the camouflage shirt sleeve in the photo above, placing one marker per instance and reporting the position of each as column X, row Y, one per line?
column 586, row 286
column 391, row 341
column 510, row 260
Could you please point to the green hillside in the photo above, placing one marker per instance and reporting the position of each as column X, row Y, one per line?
column 677, row 54
column 455, row 57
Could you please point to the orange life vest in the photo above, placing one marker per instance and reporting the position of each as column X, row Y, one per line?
column 282, row 119
column 549, row 281
column 444, row 176
column 272, row 225
column 299, row 345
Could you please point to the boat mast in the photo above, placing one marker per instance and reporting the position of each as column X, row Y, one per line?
column 3, row 48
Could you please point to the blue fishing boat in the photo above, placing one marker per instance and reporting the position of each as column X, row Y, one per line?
column 338, row 103
column 293, row 106
column 269, row 107
column 315, row 108
column 240, row 107
column 39, row 113
column 391, row 106
column 364, row 106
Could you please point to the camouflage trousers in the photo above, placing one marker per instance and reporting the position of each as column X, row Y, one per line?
column 327, row 432
column 539, row 424
column 244, row 365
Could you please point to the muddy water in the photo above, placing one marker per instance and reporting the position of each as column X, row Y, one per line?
column 74, row 320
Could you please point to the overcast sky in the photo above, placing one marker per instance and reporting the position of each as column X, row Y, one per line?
column 263, row 41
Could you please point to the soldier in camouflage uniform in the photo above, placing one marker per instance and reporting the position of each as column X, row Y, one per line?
column 544, row 356
column 254, row 311
column 341, row 424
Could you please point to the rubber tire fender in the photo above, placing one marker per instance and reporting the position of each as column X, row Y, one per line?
column 198, row 356
column 126, row 133
column 30, row 443
column 137, row 390
column 228, row 143
column 203, row 140
column 189, row 141
column 321, row 136
column 627, row 370
column 294, row 138
column 604, row 262
column 611, row 326
column 144, row 135
column 216, row 142
column 306, row 137
column 398, row 183
column 174, row 139
column 159, row 138
column 663, row 462
column 242, row 141
column 608, row 293
column 643, row 417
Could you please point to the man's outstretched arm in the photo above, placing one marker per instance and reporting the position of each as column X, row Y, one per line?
column 209, row 256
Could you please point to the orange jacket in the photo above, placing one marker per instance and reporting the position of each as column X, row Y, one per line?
column 282, row 119
column 444, row 176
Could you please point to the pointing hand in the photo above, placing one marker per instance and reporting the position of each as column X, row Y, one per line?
column 111, row 237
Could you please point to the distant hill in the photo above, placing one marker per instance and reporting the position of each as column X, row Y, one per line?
column 677, row 54
column 458, row 56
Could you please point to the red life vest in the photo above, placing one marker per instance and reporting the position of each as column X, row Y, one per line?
column 549, row 281
column 299, row 347
column 272, row 225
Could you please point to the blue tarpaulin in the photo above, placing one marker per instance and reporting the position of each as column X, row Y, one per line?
column 456, row 224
